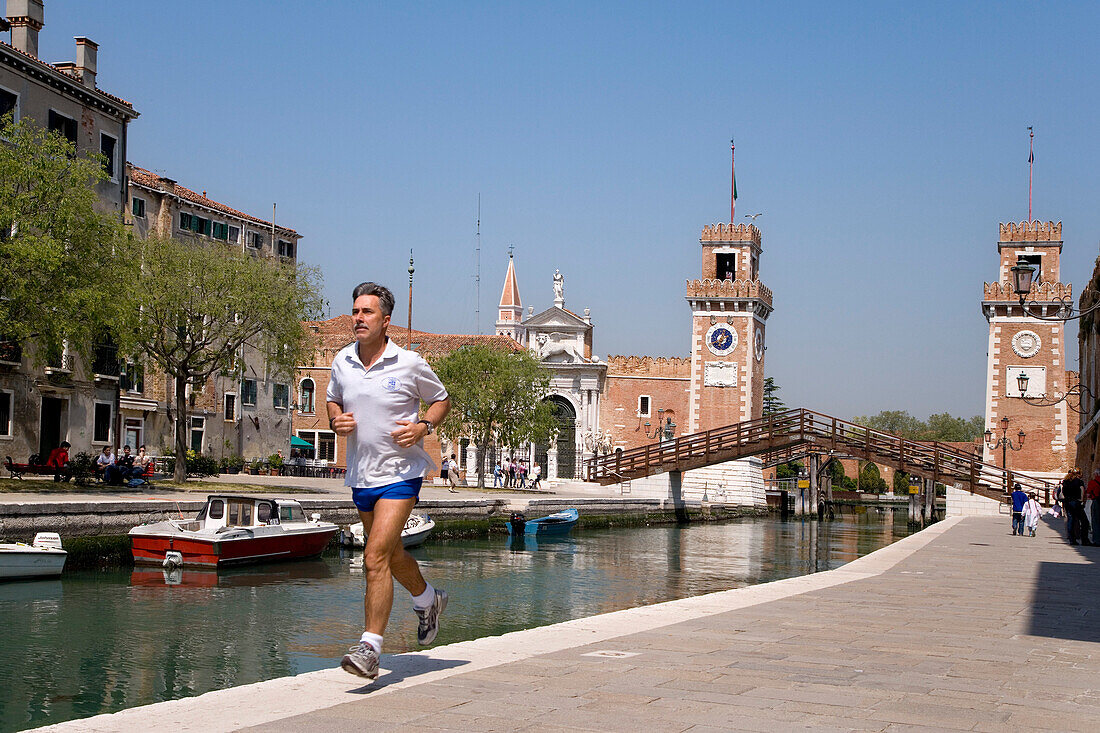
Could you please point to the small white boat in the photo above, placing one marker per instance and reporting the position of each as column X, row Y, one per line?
column 43, row 558
column 416, row 531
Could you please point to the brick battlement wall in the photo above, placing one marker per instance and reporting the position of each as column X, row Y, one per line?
column 1043, row 291
column 649, row 366
column 1031, row 231
column 731, row 233
column 707, row 288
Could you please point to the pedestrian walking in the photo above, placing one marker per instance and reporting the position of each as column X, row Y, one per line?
column 1032, row 512
column 521, row 473
column 1077, row 525
column 536, row 472
column 453, row 474
column 511, row 473
column 1092, row 504
column 373, row 399
column 1019, row 498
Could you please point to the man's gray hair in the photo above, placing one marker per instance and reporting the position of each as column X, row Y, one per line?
column 385, row 297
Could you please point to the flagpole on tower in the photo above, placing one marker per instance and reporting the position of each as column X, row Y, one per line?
column 733, row 185
column 1030, row 166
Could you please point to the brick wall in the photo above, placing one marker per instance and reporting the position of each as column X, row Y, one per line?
column 664, row 380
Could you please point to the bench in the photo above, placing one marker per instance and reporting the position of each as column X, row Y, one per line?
column 16, row 470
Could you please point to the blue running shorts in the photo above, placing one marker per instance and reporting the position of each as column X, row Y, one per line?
column 365, row 499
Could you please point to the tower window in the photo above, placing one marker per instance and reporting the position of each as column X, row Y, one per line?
column 643, row 405
column 726, row 266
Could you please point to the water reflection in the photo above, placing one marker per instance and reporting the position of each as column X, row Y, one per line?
column 102, row 641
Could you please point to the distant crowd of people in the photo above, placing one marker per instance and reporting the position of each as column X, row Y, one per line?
column 508, row 473
column 115, row 471
column 1074, row 501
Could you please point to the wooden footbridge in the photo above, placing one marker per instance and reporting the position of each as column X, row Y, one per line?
column 795, row 433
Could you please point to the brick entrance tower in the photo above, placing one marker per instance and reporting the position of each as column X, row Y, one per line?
column 730, row 307
column 1021, row 343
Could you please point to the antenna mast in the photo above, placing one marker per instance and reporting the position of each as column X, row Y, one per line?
column 1030, row 165
column 477, row 272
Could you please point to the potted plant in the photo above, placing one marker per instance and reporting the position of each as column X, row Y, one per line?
column 254, row 466
column 275, row 463
column 233, row 463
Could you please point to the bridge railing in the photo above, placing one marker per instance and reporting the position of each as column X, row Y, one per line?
column 783, row 431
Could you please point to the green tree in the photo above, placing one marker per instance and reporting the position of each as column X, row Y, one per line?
column 194, row 308
column 772, row 403
column 954, row 429
column 870, row 480
column 496, row 396
column 57, row 251
column 788, row 470
column 901, row 482
column 895, row 422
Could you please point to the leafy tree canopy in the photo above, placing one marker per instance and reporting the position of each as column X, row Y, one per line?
column 193, row 309
column 496, row 397
column 57, row 250
column 943, row 426
column 772, row 403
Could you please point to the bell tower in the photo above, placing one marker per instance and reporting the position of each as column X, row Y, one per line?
column 729, row 308
column 1022, row 344
column 510, row 310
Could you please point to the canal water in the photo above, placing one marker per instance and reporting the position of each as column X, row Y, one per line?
column 101, row 641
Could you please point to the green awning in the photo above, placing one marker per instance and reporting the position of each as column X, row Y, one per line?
column 296, row 442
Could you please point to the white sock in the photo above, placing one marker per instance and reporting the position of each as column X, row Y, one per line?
column 424, row 600
column 373, row 639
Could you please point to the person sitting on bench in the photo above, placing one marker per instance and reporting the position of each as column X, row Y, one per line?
column 125, row 465
column 59, row 459
column 105, row 463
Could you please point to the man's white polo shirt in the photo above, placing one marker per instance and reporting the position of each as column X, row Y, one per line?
column 378, row 397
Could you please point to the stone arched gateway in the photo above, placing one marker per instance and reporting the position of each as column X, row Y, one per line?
column 565, row 445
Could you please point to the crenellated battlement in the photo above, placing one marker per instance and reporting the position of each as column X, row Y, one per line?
column 731, row 233
column 1031, row 231
column 1042, row 291
column 648, row 366
column 707, row 288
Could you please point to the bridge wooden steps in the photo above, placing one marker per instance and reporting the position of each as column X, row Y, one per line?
column 794, row 433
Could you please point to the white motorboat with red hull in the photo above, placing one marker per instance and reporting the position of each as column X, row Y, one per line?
column 233, row 530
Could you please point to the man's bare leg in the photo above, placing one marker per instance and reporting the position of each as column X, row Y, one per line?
column 384, row 558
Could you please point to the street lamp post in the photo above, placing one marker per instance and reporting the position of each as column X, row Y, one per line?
column 1004, row 443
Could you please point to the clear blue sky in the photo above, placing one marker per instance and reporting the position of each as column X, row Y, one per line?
column 883, row 142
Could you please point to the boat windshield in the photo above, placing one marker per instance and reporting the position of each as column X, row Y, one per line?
column 291, row 513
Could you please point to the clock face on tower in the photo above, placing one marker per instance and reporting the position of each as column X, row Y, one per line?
column 759, row 344
column 721, row 339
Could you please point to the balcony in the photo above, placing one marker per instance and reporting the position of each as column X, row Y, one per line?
column 60, row 363
column 105, row 363
column 11, row 353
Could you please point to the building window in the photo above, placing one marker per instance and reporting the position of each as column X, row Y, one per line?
column 138, row 207
column 255, row 240
column 725, row 265
column 234, row 234
column 185, row 221
column 196, row 224
column 6, row 404
column 107, row 145
column 132, row 378
column 643, row 405
column 9, row 105
column 220, row 230
column 198, row 427
column 101, row 423
column 280, row 396
column 306, row 392
column 133, row 432
column 248, row 392
column 286, row 249
column 63, row 126
column 229, row 405
column 323, row 442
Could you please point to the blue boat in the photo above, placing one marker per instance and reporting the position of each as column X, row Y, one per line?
column 553, row 524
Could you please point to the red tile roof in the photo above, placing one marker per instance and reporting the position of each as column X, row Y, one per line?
column 65, row 73
column 336, row 333
column 148, row 179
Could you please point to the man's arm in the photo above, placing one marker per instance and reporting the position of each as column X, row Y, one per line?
column 342, row 423
column 410, row 433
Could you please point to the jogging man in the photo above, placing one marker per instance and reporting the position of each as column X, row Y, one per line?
column 374, row 397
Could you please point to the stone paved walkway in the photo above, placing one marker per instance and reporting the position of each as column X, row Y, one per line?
column 960, row 627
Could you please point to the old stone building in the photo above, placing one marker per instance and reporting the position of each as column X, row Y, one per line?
column 67, row 399
column 248, row 417
column 1021, row 343
column 310, row 416
column 1087, row 401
